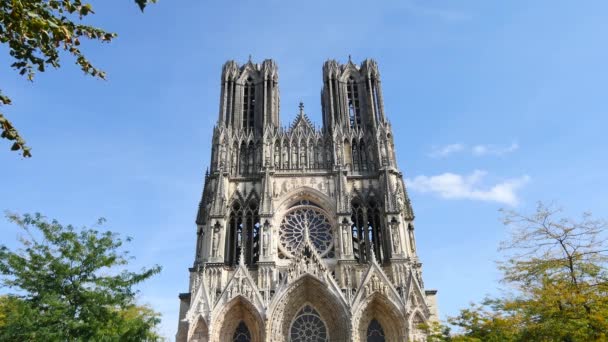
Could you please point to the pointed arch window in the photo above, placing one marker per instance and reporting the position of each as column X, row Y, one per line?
column 358, row 231
column 235, row 235
column 243, row 159
column 308, row 327
column 248, row 104
column 241, row 334
column 375, row 230
column 251, row 158
column 375, row 98
column 244, row 233
column 363, row 157
column 375, row 333
column 354, row 111
column 368, row 231
column 252, row 233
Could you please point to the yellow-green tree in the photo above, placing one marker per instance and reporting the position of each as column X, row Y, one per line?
column 556, row 268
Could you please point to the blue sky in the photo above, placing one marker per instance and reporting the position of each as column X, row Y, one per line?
column 494, row 104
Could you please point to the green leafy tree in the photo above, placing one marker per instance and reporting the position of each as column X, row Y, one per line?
column 71, row 285
column 36, row 32
column 557, row 268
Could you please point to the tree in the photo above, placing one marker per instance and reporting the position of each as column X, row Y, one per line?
column 557, row 267
column 35, row 32
column 70, row 285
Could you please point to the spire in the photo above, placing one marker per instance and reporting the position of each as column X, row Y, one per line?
column 301, row 106
column 302, row 120
column 266, row 206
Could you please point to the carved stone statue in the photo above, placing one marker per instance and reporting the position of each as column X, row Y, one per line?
column 410, row 232
column 345, row 240
column 216, row 233
column 265, row 238
column 302, row 213
column 395, row 238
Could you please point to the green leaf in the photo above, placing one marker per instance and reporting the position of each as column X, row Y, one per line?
column 62, row 290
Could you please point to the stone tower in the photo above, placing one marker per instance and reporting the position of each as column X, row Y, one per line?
column 304, row 233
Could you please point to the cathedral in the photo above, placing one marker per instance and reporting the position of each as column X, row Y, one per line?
column 304, row 233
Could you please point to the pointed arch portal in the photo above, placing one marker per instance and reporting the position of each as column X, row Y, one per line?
column 238, row 321
column 379, row 320
column 309, row 305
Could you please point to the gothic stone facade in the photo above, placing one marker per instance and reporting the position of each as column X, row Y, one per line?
column 304, row 233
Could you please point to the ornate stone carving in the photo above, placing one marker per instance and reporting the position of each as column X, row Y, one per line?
column 265, row 238
column 303, row 215
column 375, row 285
column 215, row 240
column 305, row 222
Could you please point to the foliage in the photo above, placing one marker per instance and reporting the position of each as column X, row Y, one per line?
column 557, row 266
column 70, row 285
column 36, row 31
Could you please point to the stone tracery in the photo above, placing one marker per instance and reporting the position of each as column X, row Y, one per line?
column 308, row 327
column 305, row 221
column 304, row 226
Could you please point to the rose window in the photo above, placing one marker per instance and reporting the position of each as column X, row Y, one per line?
column 301, row 220
column 308, row 327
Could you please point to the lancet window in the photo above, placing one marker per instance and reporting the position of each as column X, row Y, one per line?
column 243, row 159
column 248, row 104
column 368, row 231
column 359, row 241
column 360, row 156
column 354, row 111
column 375, row 98
column 235, row 233
column 375, row 333
column 244, row 234
column 251, row 158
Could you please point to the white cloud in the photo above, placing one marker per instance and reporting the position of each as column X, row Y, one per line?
column 483, row 150
column 444, row 151
column 454, row 186
column 476, row 150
